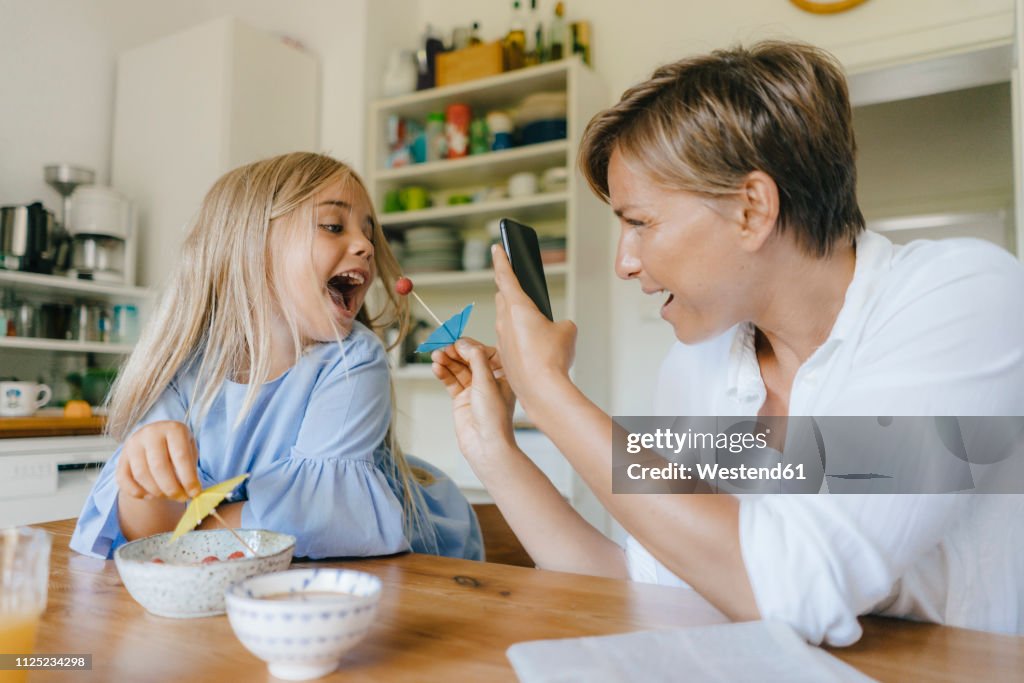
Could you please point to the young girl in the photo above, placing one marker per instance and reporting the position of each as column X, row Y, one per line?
column 262, row 359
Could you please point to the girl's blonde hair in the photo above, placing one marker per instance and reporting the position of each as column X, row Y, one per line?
column 222, row 299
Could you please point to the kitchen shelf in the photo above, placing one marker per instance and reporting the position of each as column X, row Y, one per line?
column 479, row 168
column 486, row 93
column 553, row 273
column 535, row 207
column 38, row 283
column 36, row 344
column 578, row 286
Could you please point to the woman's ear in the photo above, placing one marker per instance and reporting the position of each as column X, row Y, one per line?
column 759, row 200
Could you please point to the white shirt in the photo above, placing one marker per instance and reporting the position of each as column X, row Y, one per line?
column 932, row 329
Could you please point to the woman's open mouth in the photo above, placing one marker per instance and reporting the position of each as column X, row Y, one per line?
column 345, row 289
column 667, row 302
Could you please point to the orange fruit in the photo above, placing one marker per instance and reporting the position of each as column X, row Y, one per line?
column 77, row 409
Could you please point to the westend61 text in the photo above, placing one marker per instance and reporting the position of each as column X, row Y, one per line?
column 715, row 472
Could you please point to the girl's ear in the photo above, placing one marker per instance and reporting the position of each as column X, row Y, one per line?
column 759, row 209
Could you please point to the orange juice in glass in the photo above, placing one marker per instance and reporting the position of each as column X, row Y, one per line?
column 24, row 576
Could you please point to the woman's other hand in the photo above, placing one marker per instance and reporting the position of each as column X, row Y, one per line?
column 482, row 400
column 533, row 349
column 159, row 461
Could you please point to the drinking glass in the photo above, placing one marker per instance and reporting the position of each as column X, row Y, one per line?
column 24, row 576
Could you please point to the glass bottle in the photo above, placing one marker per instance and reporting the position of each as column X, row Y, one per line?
column 474, row 35
column 556, row 34
column 515, row 40
column 534, row 37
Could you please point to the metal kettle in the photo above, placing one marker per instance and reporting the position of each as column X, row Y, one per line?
column 30, row 239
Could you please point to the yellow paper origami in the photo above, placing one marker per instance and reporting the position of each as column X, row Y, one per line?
column 203, row 504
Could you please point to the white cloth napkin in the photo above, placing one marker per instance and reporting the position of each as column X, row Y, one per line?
column 762, row 651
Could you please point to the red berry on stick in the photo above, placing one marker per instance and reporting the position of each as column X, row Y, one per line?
column 403, row 286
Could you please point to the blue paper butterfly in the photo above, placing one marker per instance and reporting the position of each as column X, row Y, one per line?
column 447, row 333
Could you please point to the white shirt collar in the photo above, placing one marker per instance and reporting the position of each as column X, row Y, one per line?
column 874, row 256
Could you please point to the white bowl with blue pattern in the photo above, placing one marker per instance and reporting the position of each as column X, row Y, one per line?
column 301, row 622
column 180, row 585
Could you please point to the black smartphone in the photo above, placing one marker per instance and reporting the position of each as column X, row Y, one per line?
column 523, row 250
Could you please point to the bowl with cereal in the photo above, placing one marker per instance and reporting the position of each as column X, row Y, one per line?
column 187, row 577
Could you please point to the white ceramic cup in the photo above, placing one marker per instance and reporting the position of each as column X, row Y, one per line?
column 18, row 399
column 475, row 253
column 522, row 185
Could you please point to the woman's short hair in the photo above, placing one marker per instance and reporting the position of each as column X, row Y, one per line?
column 703, row 123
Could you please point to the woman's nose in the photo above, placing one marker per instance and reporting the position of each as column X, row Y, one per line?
column 627, row 265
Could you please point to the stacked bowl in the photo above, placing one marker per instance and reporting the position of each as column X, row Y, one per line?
column 432, row 249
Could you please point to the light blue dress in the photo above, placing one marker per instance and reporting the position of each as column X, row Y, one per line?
column 313, row 443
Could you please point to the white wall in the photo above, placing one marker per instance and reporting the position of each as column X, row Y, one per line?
column 57, row 80
column 57, row 74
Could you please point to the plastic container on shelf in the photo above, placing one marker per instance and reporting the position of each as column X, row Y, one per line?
column 499, row 127
column 126, row 324
column 437, row 145
column 478, row 142
column 457, row 118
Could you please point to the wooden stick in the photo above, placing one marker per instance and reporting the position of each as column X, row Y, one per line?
column 439, row 323
column 233, row 532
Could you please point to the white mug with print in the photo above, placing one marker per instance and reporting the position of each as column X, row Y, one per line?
column 20, row 399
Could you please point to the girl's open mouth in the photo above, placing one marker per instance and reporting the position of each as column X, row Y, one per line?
column 344, row 289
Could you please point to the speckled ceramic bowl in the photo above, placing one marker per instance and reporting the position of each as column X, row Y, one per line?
column 181, row 586
column 302, row 621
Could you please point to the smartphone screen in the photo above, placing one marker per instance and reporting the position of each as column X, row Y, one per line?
column 523, row 250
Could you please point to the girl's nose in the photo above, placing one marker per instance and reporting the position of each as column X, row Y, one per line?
column 360, row 245
column 627, row 265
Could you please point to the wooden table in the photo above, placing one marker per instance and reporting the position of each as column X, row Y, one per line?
column 444, row 620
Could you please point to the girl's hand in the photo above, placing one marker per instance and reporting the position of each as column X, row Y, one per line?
column 159, row 461
column 482, row 401
column 532, row 347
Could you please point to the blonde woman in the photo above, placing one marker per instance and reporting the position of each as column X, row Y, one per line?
column 262, row 359
column 733, row 178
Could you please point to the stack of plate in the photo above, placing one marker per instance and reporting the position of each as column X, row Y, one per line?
column 552, row 249
column 432, row 249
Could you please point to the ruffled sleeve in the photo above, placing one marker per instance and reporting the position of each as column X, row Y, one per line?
column 98, row 531
column 327, row 491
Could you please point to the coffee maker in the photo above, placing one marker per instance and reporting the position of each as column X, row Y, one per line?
column 102, row 228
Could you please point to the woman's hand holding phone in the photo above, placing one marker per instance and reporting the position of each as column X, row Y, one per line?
column 533, row 349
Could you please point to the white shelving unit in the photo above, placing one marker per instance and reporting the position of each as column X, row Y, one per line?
column 578, row 287
column 43, row 284
column 37, row 287
column 32, row 487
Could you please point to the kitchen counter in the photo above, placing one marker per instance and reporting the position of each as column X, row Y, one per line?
column 50, row 425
